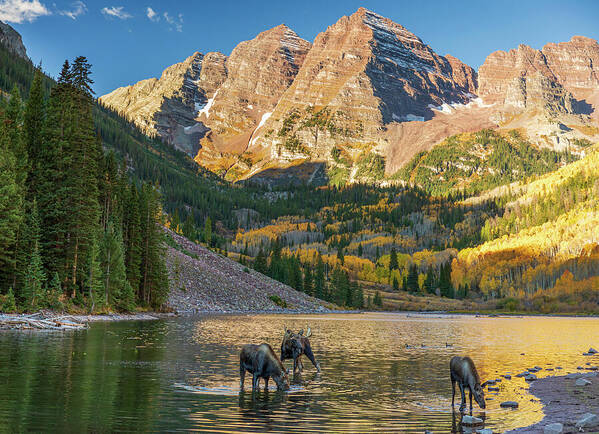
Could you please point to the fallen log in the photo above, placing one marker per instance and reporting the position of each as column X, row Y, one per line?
column 38, row 321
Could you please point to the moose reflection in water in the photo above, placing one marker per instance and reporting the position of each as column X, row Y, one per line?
column 295, row 345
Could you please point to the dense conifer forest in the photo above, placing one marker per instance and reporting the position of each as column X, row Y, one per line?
column 75, row 231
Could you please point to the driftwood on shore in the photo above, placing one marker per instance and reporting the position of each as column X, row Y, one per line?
column 39, row 321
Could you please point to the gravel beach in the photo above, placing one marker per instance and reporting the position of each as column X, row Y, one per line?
column 565, row 402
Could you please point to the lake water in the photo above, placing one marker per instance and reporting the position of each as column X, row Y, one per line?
column 183, row 374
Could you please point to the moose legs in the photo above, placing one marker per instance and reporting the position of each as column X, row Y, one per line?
column 298, row 366
column 241, row 377
column 310, row 355
column 463, row 404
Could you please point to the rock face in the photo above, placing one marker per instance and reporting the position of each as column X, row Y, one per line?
column 364, row 98
column 11, row 39
column 560, row 77
column 552, row 93
column 362, row 73
column 168, row 106
column 258, row 72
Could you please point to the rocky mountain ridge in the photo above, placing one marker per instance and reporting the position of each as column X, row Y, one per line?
column 11, row 39
column 367, row 90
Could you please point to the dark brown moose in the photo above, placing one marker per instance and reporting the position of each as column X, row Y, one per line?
column 463, row 371
column 295, row 345
column 262, row 362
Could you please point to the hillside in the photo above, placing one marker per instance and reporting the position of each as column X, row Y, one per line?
column 204, row 281
column 476, row 162
column 544, row 245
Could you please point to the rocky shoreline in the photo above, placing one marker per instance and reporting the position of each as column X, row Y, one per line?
column 569, row 403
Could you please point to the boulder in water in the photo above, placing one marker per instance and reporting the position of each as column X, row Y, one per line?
column 554, row 428
column 587, row 419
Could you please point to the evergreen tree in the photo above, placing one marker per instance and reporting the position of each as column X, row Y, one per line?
column 154, row 277
column 82, row 174
column 412, row 280
column 53, row 293
column 429, row 281
column 9, row 304
column 393, row 264
column 94, row 283
column 208, row 230
column 359, row 297
column 29, row 237
column 11, row 214
column 260, row 262
column 445, row 285
column 395, row 284
column 378, row 300
column 33, row 126
column 112, row 262
column 51, row 166
column 132, row 237
column 35, row 280
column 319, row 279
column 308, row 280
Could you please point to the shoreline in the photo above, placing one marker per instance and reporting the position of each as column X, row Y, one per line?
column 564, row 402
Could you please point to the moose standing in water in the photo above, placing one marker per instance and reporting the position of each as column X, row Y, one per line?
column 463, row 371
column 296, row 344
column 262, row 362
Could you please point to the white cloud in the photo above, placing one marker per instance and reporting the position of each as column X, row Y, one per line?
column 116, row 11
column 152, row 14
column 17, row 11
column 78, row 8
column 176, row 23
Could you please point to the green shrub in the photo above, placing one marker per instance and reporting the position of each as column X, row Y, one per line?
column 278, row 301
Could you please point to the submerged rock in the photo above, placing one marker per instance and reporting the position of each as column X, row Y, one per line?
column 509, row 404
column 530, row 377
column 587, row 419
column 592, row 351
column 493, row 389
column 471, row 421
column 582, row 382
column 554, row 428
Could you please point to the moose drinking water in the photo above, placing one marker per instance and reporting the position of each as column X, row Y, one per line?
column 262, row 362
column 294, row 345
column 463, row 371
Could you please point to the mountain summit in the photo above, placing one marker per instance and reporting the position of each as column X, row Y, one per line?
column 366, row 92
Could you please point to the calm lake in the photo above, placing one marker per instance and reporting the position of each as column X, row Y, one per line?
column 183, row 374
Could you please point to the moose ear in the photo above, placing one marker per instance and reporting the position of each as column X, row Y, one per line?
column 484, row 384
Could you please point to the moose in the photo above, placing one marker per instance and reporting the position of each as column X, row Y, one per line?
column 463, row 371
column 294, row 345
column 262, row 362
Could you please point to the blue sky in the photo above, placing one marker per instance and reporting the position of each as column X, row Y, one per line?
column 126, row 42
